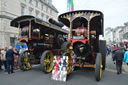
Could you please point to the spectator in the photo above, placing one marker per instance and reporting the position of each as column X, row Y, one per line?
column 10, row 59
column 3, row 53
column 21, row 49
column 108, row 50
column 0, row 61
column 15, row 59
column 115, row 47
column 126, row 56
column 118, row 57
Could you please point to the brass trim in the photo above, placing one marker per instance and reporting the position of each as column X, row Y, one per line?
column 88, row 29
column 29, row 29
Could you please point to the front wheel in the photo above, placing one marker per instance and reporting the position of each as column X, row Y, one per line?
column 69, row 62
column 98, row 69
column 46, row 61
column 24, row 61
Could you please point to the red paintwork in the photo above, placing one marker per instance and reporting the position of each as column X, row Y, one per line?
column 83, row 41
column 26, row 39
column 23, row 40
column 32, row 37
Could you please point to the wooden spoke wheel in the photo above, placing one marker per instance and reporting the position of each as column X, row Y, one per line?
column 98, row 69
column 47, row 61
column 24, row 61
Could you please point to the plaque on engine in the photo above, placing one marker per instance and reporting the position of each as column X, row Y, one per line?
column 59, row 71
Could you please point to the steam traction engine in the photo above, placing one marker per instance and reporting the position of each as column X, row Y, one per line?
column 85, row 28
column 43, row 39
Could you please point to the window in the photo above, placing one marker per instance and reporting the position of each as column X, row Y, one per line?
column 22, row 10
column 30, row 11
column 51, row 11
column 30, row 1
column 36, row 3
column 42, row 6
column 12, row 41
column 49, row 1
column 37, row 13
column 42, row 16
column 47, row 9
column 47, row 17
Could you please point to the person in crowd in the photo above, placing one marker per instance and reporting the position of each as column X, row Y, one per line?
column 0, row 61
column 126, row 56
column 15, row 59
column 21, row 49
column 108, row 50
column 115, row 47
column 10, row 59
column 3, row 53
column 118, row 58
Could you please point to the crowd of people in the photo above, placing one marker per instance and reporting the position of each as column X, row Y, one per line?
column 119, row 55
column 9, row 59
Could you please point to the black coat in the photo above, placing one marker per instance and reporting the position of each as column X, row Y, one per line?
column 118, row 55
column 9, row 54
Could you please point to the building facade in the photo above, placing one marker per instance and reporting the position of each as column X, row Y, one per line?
column 125, row 32
column 109, row 35
column 117, row 35
column 10, row 9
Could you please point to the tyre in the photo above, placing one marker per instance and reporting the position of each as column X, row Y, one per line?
column 103, row 50
column 66, row 47
column 46, row 61
column 24, row 61
column 69, row 62
column 98, row 69
column 85, row 52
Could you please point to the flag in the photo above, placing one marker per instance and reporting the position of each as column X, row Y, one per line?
column 71, row 5
column 68, row 5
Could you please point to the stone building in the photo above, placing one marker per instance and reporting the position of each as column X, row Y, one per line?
column 10, row 9
column 117, row 35
column 124, row 32
column 109, row 35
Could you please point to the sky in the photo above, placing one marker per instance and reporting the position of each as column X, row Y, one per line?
column 115, row 11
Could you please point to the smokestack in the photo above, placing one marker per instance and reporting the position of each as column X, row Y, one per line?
column 55, row 22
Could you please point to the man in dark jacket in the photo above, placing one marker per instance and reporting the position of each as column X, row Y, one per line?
column 10, row 59
column 118, row 57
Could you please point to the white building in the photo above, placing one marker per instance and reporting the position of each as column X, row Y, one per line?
column 121, row 35
column 113, row 35
column 125, row 32
column 109, row 35
column 10, row 9
column 117, row 37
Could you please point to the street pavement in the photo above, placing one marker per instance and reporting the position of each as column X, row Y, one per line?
column 78, row 77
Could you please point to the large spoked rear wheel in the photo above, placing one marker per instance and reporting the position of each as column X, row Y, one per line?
column 98, row 69
column 24, row 61
column 47, row 61
column 69, row 62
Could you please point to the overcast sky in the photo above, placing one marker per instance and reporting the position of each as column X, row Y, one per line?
column 115, row 11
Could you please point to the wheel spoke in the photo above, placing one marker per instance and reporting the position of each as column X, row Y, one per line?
column 25, row 62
